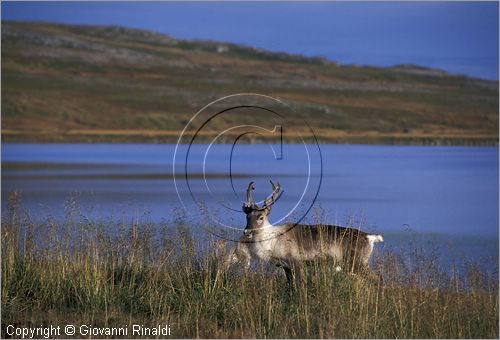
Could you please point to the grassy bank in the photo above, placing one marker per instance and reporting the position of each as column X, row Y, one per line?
column 106, row 274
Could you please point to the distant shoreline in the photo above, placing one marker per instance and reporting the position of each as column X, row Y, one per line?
column 171, row 137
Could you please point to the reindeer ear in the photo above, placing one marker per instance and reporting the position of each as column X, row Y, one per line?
column 267, row 209
column 246, row 209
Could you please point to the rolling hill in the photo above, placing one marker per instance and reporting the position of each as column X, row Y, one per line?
column 67, row 83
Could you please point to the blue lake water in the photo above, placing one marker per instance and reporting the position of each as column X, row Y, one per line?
column 388, row 189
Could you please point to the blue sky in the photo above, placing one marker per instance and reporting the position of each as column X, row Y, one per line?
column 459, row 37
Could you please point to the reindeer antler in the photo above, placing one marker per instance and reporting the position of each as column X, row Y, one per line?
column 272, row 198
column 249, row 205
column 249, row 194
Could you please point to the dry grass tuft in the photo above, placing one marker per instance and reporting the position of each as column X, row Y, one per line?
column 91, row 272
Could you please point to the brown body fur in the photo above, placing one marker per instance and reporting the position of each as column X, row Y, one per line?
column 290, row 244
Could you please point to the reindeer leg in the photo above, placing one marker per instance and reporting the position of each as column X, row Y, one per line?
column 288, row 273
column 246, row 260
column 289, row 278
column 363, row 270
column 373, row 277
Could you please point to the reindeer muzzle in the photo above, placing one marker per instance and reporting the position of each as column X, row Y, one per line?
column 248, row 233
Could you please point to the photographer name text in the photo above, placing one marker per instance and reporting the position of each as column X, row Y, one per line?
column 47, row 332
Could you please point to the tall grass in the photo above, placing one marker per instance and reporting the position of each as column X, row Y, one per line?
column 113, row 274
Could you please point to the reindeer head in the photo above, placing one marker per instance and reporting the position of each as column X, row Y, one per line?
column 257, row 217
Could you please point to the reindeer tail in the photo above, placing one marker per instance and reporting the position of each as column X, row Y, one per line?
column 375, row 238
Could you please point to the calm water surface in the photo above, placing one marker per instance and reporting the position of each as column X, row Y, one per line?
column 388, row 189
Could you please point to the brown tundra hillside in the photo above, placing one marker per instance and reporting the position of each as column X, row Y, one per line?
column 105, row 83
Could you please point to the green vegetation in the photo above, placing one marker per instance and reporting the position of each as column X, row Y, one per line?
column 64, row 83
column 110, row 275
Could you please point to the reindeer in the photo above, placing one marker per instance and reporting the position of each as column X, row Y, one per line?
column 289, row 245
